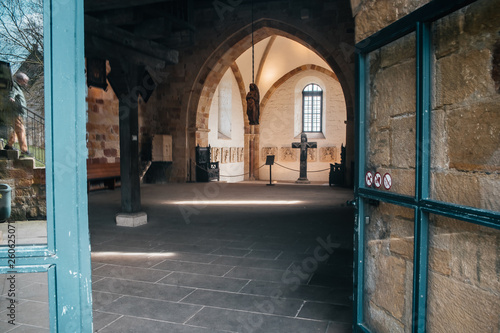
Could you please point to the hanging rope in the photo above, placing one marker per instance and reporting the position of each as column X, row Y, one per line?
column 253, row 53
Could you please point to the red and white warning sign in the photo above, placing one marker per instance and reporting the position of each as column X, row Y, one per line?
column 387, row 181
column 377, row 180
column 369, row 179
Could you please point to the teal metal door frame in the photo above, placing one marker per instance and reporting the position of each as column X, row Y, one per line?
column 66, row 257
column 419, row 21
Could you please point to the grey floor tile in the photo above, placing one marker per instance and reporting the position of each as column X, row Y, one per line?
column 241, row 321
column 204, row 281
column 136, row 325
column 5, row 326
column 192, row 257
column 189, row 248
column 35, row 292
column 130, row 273
column 262, row 254
column 31, row 314
column 298, row 291
column 244, row 302
column 145, row 260
column 101, row 319
column 29, row 329
column 252, row 262
column 152, row 309
column 142, row 289
column 257, row 274
column 232, row 252
column 335, row 327
column 100, row 299
column 197, row 268
column 325, row 311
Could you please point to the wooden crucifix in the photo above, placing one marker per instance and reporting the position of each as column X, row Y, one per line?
column 303, row 145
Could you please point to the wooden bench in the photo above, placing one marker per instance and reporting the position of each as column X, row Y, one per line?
column 107, row 173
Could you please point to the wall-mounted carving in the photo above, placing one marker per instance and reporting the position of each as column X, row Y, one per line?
column 265, row 151
column 328, row 154
column 241, row 154
column 289, row 154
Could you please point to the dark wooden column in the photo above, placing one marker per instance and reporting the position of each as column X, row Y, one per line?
column 126, row 79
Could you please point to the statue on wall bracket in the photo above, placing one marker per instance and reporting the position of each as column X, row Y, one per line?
column 253, row 104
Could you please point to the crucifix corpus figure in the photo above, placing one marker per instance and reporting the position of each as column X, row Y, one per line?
column 303, row 145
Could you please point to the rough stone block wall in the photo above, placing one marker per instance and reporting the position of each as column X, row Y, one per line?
column 28, row 196
column 389, row 267
column 466, row 107
column 464, row 279
column 103, row 138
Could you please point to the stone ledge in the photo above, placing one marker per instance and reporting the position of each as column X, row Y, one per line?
column 132, row 219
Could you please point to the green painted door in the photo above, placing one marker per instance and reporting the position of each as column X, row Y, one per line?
column 44, row 245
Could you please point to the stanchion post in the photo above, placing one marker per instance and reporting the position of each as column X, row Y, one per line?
column 270, row 162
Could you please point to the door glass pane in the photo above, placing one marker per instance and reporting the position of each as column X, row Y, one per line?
column 464, row 283
column 391, row 122
column 466, row 108
column 24, row 302
column 388, row 268
column 22, row 121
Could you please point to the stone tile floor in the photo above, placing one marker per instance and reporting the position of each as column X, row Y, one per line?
column 217, row 258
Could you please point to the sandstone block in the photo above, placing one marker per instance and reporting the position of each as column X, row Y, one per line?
column 482, row 17
column 479, row 149
column 393, row 92
column 454, row 306
column 403, row 142
column 379, row 152
column 456, row 187
column 447, row 33
column 463, row 77
column 390, row 285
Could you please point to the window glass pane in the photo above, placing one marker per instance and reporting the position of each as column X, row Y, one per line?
column 465, row 151
column 464, row 284
column 389, row 241
column 24, row 302
column 22, row 123
column 391, row 121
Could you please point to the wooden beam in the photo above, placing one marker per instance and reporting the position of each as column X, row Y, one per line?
column 126, row 40
column 102, row 48
column 101, row 5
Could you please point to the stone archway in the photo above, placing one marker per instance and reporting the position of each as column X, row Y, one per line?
column 227, row 52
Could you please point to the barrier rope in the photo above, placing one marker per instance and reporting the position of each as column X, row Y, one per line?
column 299, row 170
column 227, row 176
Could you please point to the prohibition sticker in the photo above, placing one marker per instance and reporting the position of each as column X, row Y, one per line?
column 387, row 181
column 377, row 180
column 369, row 179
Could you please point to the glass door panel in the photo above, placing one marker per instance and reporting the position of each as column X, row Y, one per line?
column 22, row 122
column 390, row 118
column 388, row 282
column 24, row 302
column 463, row 282
column 465, row 149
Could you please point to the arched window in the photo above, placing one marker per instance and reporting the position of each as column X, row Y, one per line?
column 312, row 108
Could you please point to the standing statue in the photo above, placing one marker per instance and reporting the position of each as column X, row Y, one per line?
column 253, row 104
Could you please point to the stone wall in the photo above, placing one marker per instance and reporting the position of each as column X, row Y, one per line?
column 281, row 124
column 103, row 138
column 28, row 196
column 227, row 147
column 464, row 280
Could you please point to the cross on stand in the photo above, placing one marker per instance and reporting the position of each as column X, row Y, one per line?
column 303, row 145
